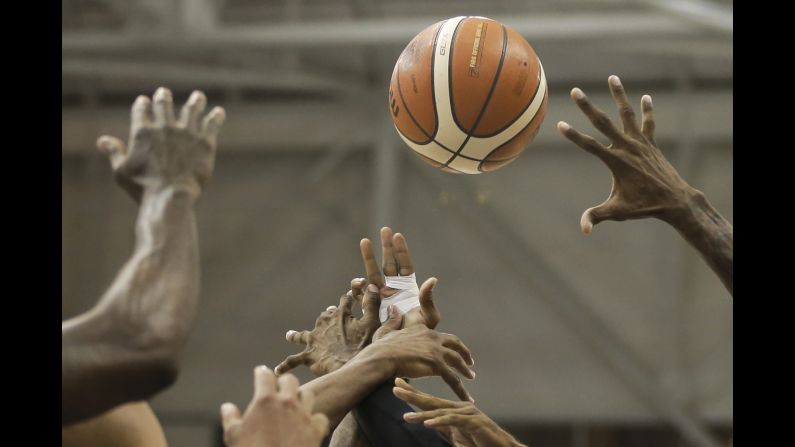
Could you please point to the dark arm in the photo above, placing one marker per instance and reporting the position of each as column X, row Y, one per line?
column 380, row 418
column 709, row 233
column 124, row 349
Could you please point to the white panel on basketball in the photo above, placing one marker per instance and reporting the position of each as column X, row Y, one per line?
column 479, row 148
column 431, row 150
column 465, row 165
column 448, row 132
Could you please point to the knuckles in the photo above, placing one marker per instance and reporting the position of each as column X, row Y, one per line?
column 601, row 120
column 627, row 110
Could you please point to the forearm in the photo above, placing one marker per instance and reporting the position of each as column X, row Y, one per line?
column 124, row 348
column 709, row 233
column 156, row 293
column 338, row 392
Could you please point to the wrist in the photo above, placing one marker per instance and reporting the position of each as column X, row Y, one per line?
column 685, row 213
column 383, row 367
column 183, row 189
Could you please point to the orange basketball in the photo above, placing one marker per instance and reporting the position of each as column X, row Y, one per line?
column 468, row 94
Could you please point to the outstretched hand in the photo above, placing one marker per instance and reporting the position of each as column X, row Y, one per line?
column 279, row 414
column 396, row 261
column 163, row 150
column 645, row 184
column 337, row 335
column 462, row 422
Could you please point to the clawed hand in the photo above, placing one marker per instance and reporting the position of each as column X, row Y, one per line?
column 164, row 151
column 644, row 182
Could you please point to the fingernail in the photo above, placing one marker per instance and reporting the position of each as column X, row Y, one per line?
column 393, row 310
column 410, row 415
column 472, row 399
column 577, row 93
column 472, row 373
column 261, row 368
column 196, row 96
column 430, row 422
column 615, row 81
column 289, row 334
column 563, row 126
column 647, row 100
column 372, row 288
column 163, row 93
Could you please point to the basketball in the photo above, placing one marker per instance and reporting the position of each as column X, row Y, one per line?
column 468, row 95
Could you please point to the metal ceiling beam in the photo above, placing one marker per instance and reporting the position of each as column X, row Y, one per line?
column 704, row 13
column 381, row 31
column 201, row 76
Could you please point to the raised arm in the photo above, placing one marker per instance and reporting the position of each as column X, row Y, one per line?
column 645, row 184
column 124, row 349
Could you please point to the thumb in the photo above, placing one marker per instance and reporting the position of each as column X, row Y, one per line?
column 230, row 415
column 596, row 214
column 114, row 148
column 429, row 310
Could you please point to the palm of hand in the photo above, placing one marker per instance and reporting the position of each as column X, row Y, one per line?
column 167, row 154
column 644, row 185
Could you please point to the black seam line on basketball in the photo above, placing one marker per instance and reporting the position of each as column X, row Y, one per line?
column 437, row 167
column 424, row 132
column 408, row 112
column 433, row 141
column 488, row 97
column 508, row 160
column 406, row 106
column 450, row 73
column 543, row 101
column 433, row 86
column 452, row 169
column 516, row 118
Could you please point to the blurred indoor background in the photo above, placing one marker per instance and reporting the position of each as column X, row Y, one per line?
column 621, row 338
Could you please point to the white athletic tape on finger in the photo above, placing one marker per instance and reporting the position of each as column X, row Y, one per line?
column 406, row 299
